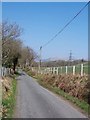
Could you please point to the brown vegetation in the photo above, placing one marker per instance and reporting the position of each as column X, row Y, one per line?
column 6, row 92
column 73, row 85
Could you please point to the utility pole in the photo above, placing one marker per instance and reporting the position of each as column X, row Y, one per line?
column 40, row 57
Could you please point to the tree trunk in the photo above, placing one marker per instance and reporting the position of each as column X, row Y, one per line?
column 14, row 67
column 15, row 61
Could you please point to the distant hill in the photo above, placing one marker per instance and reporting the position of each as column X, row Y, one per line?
column 55, row 63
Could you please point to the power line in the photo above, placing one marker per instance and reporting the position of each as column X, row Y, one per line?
column 65, row 25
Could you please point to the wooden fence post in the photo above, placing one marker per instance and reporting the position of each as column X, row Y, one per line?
column 66, row 70
column 61, row 70
column 74, row 70
column 81, row 69
column 51, row 70
column 57, row 71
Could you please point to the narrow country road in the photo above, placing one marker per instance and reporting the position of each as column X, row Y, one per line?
column 34, row 101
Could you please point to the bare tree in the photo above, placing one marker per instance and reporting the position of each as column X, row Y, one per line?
column 12, row 50
column 27, row 56
column 10, row 32
column 11, row 45
column 0, row 44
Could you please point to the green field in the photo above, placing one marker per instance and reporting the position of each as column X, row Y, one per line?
column 62, row 69
column 77, row 69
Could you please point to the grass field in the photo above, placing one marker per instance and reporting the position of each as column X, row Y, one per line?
column 62, row 69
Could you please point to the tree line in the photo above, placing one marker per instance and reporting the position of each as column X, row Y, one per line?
column 57, row 63
column 14, row 52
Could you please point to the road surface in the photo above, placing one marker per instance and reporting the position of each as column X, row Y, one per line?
column 34, row 101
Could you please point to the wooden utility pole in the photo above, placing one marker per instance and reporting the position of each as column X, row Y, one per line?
column 40, row 57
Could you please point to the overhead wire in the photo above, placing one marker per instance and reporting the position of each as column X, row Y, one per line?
column 65, row 26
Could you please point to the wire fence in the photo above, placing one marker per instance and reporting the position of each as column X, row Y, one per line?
column 4, row 71
column 81, row 69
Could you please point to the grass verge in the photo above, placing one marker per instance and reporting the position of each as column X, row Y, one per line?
column 9, row 102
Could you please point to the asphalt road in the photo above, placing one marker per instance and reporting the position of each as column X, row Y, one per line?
column 34, row 101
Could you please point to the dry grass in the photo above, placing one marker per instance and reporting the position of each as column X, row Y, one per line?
column 74, row 85
column 8, row 96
